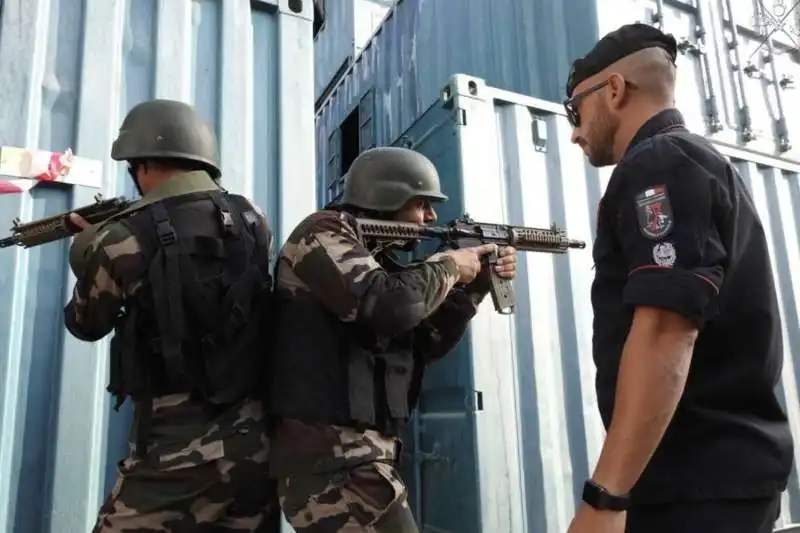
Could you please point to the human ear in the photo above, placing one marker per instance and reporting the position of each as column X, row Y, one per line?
column 617, row 91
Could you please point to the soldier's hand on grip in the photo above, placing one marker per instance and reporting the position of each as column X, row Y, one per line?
column 506, row 266
column 469, row 260
column 79, row 221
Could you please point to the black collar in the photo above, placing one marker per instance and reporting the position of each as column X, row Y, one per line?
column 669, row 119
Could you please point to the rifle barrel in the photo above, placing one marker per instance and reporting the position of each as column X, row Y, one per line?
column 59, row 226
column 8, row 241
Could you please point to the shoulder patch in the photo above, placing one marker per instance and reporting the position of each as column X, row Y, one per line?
column 664, row 254
column 654, row 212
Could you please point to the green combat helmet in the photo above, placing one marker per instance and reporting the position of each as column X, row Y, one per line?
column 385, row 178
column 167, row 129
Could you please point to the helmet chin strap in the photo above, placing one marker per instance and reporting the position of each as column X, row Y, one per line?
column 132, row 174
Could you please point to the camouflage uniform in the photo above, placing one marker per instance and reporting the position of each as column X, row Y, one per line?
column 200, row 471
column 203, row 471
column 339, row 478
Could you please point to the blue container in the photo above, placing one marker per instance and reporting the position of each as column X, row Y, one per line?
column 69, row 72
column 733, row 83
column 348, row 26
column 508, row 428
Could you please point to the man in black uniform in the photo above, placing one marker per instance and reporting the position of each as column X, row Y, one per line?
column 687, row 331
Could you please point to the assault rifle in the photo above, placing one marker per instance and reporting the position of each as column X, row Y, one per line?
column 59, row 226
column 464, row 232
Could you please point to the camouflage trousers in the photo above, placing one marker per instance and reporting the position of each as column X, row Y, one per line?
column 369, row 498
column 334, row 479
column 218, row 496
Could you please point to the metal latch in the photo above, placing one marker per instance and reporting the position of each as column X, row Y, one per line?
column 432, row 456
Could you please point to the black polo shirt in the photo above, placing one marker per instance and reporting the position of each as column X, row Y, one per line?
column 677, row 229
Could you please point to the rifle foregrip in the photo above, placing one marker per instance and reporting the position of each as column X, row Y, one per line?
column 60, row 226
column 501, row 289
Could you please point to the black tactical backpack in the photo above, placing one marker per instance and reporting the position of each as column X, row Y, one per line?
column 200, row 324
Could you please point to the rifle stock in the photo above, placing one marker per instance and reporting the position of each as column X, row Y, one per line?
column 464, row 232
column 59, row 226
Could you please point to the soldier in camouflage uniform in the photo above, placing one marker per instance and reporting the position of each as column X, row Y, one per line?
column 355, row 334
column 167, row 275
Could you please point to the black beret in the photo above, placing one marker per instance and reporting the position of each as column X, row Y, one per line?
column 621, row 42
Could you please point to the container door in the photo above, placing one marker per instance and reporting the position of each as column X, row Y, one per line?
column 440, row 464
column 366, row 124
column 334, row 183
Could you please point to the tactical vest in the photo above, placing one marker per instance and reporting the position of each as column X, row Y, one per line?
column 199, row 325
column 330, row 372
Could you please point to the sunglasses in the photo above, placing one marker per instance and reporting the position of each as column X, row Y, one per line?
column 571, row 104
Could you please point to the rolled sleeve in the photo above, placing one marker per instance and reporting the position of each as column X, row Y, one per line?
column 667, row 226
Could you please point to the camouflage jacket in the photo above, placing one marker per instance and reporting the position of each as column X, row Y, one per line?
column 110, row 269
column 325, row 257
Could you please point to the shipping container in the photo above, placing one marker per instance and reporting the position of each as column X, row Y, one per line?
column 507, row 428
column 69, row 72
column 737, row 86
column 348, row 26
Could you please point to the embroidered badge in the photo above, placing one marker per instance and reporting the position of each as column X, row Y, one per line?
column 654, row 212
column 664, row 254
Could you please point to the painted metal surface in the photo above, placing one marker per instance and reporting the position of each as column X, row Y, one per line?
column 527, row 47
column 508, row 429
column 333, row 45
column 368, row 16
column 348, row 27
column 69, row 71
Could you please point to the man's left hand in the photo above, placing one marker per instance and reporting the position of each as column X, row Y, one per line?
column 506, row 266
column 79, row 221
column 81, row 242
column 590, row 520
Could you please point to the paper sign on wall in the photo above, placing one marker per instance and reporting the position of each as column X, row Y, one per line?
column 41, row 165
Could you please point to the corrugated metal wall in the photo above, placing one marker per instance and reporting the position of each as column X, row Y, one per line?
column 518, row 464
column 368, row 16
column 349, row 25
column 333, row 45
column 69, row 71
column 527, row 46
column 508, row 429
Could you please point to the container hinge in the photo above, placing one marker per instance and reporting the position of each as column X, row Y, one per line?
column 712, row 115
column 404, row 141
column 746, row 125
column 685, row 46
column 783, row 135
column 539, row 133
column 752, row 71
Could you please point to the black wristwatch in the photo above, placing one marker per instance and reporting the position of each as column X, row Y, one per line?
column 602, row 500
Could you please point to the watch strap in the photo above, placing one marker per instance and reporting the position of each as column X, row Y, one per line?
column 598, row 497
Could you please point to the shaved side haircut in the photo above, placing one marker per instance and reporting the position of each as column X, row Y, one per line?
column 652, row 71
